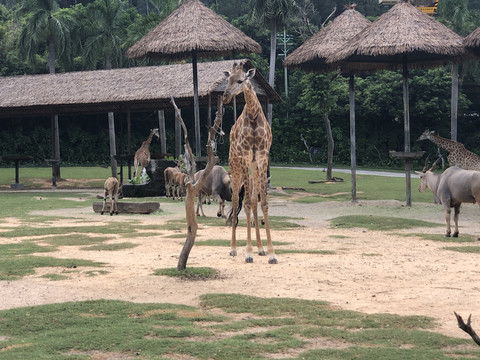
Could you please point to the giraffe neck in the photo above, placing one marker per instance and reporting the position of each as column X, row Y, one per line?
column 447, row 144
column 147, row 142
column 252, row 105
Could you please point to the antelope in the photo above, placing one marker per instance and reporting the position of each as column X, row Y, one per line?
column 179, row 179
column 219, row 185
column 111, row 189
column 451, row 188
column 169, row 177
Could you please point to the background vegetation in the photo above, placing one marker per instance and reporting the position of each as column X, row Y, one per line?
column 91, row 35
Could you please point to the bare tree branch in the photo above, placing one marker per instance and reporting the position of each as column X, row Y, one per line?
column 329, row 16
column 467, row 327
column 193, row 188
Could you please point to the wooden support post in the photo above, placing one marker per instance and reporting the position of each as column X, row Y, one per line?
column 162, row 133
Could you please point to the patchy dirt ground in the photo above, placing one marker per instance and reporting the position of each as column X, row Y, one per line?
column 369, row 271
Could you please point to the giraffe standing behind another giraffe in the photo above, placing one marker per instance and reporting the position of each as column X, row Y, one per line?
column 458, row 155
column 142, row 156
column 250, row 141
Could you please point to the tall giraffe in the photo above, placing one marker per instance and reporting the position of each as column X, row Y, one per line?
column 250, row 141
column 142, row 156
column 458, row 155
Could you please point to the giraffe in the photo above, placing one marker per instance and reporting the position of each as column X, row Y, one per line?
column 142, row 156
column 111, row 187
column 250, row 141
column 458, row 155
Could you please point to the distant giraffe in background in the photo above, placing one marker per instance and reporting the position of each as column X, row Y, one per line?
column 458, row 155
column 142, row 156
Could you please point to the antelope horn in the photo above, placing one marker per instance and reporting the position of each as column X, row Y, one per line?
column 425, row 167
column 435, row 164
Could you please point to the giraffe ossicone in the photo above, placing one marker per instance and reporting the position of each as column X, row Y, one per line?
column 250, row 141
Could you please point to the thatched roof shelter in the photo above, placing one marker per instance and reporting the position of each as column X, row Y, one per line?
column 118, row 90
column 192, row 28
column 311, row 55
column 472, row 41
column 402, row 37
column 404, row 33
column 193, row 31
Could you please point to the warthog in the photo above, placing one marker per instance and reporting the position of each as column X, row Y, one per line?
column 452, row 188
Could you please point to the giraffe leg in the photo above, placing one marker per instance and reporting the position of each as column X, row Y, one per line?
column 235, row 189
column 272, row 258
column 255, row 191
column 248, row 212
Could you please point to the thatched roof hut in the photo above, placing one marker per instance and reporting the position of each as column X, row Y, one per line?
column 472, row 41
column 192, row 28
column 402, row 33
column 311, row 55
column 193, row 31
column 118, row 90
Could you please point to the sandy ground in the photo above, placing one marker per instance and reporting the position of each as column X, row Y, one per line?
column 369, row 271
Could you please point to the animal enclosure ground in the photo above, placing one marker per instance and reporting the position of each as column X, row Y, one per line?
column 394, row 272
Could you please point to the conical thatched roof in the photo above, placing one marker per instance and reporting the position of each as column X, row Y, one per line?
column 192, row 28
column 119, row 90
column 311, row 55
column 472, row 41
column 402, row 31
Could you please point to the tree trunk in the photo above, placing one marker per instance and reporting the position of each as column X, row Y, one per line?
column 271, row 76
column 454, row 103
column 331, row 145
column 161, row 127
column 55, row 130
column 113, row 148
column 193, row 188
column 51, row 56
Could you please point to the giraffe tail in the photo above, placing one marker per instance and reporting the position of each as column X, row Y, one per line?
column 241, row 195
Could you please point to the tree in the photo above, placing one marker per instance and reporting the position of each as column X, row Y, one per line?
column 106, row 24
column 272, row 13
column 105, row 29
column 43, row 25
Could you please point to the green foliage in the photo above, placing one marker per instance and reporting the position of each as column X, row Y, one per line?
column 91, row 34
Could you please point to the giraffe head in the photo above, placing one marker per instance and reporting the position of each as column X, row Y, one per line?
column 426, row 135
column 155, row 132
column 237, row 80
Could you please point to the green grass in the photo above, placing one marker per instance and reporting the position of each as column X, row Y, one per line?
column 378, row 223
column 110, row 247
column 369, row 187
column 190, row 273
column 293, row 329
column 276, row 222
column 226, row 243
column 95, row 176
column 462, row 238
column 464, row 249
